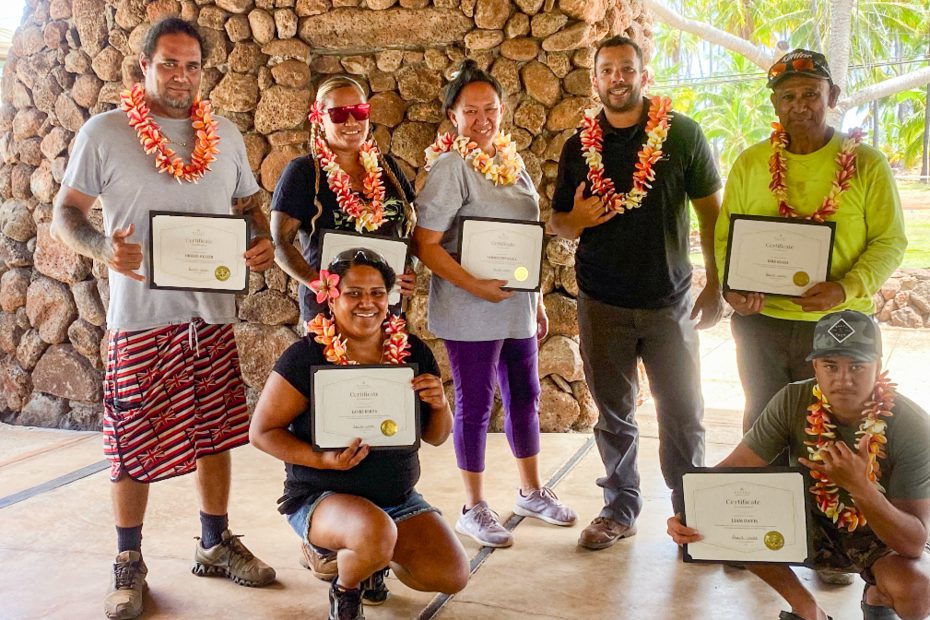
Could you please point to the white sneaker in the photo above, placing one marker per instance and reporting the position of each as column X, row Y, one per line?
column 483, row 524
column 543, row 504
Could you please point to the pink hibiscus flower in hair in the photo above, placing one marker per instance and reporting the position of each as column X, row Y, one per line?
column 316, row 113
column 326, row 287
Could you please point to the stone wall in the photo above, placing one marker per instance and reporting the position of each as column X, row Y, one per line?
column 904, row 300
column 71, row 58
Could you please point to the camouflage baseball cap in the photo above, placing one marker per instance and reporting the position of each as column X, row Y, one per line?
column 799, row 62
column 847, row 334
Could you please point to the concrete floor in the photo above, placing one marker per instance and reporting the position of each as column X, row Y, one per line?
column 56, row 547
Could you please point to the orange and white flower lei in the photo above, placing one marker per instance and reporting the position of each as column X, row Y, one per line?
column 132, row 102
column 592, row 144
column 502, row 169
column 369, row 215
column 396, row 347
column 845, row 160
column 821, row 428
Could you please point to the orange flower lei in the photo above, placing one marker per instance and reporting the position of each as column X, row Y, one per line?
column 820, row 427
column 592, row 138
column 502, row 169
column 845, row 160
column 132, row 102
column 367, row 216
column 396, row 346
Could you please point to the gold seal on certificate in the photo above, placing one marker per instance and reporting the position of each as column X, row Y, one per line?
column 777, row 255
column 774, row 540
column 374, row 402
column 498, row 249
column 197, row 252
column 389, row 428
column 393, row 250
column 747, row 515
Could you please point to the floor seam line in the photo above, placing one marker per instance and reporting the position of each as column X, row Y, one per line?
column 54, row 483
column 67, row 443
column 441, row 600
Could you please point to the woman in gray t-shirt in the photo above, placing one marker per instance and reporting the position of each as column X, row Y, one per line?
column 490, row 334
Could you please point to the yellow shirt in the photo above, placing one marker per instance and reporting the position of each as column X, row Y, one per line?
column 870, row 240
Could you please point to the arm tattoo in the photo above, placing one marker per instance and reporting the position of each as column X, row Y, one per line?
column 287, row 255
column 71, row 226
column 251, row 208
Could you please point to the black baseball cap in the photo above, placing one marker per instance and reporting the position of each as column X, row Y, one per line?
column 848, row 334
column 799, row 62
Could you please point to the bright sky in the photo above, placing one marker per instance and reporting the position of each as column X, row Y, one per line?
column 11, row 12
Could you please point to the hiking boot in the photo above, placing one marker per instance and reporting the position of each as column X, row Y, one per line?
column 124, row 600
column 321, row 562
column 603, row 532
column 230, row 558
column 374, row 590
column 345, row 604
column 543, row 504
column 835, row 577
column 483, row 524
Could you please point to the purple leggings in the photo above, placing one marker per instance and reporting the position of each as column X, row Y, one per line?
column 477, row 367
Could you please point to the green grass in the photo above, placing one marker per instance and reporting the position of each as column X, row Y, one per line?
column 917, row 226
column 913, row 186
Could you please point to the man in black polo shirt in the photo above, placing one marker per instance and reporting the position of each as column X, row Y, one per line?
column 635, row 277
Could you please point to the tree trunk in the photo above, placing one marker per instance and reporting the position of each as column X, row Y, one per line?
column 925, row 158
column 840, row 40
column 875, row 124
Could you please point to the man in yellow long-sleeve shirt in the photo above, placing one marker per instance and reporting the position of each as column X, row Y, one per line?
column 774, row 334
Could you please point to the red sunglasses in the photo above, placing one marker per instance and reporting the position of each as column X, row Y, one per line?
column 359, row 111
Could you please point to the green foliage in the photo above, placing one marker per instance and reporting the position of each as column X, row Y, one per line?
column 726, row 93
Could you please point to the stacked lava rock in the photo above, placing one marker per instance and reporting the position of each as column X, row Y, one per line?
column 71, row 58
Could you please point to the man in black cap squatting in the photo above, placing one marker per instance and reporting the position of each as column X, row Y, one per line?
column 822, row 175
column 868, row 470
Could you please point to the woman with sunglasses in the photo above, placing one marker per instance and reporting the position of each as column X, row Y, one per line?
column 361, row 504
column 490, row 334
column 345, row 183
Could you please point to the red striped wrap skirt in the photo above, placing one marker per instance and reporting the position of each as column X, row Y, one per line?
column 171, row 396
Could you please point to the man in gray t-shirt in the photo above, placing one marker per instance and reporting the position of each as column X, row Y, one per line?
column 174, row 401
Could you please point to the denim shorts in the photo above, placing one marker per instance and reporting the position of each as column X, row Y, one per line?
column 413, row 506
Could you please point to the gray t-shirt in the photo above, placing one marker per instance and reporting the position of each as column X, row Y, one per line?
column 455, row 189
column 108, row 161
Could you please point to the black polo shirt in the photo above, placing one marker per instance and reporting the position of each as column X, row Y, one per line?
column 639, row 259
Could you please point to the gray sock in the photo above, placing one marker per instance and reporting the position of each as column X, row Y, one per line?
column 212, row 528
column 129, row 538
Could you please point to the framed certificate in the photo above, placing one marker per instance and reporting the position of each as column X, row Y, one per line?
column 198, row 252
column 747, row 515
column 777, row 255
column 394, row 250
column 498, row 249
column 374, row 402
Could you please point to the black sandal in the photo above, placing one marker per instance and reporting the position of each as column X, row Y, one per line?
column 787, row 615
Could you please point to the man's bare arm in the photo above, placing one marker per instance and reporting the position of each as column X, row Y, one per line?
column 284, row 231
column 251, row 208
column 709, row 304
column 260, row 255
column 71, row 227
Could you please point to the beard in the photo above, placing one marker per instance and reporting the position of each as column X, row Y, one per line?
column 632, row 99
column 177, row 102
